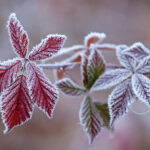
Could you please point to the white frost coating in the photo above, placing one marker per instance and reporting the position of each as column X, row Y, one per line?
column 45, row 49
column 43, row 93
column 105, row 46
column 144, row 65
column 141, row 87
column 125, row 60
column 138, row 51
column 69, row 50
column 100, row 37
column 8, row 72
column 69, row 87
column 20, row 45
column 9, row 97
column 90, row 119
column 111, row 78
column 119, row 100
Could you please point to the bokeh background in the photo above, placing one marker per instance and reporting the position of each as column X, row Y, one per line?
column 124, row 22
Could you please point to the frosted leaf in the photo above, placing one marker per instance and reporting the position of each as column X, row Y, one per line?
column 111, row 78
column 104, row 113
column 90, row 119
column 84, row 73
column 93, row 38
column 119, row 100
column 43, row 93
column 144, row 66
column 141, row 87
column 18, row 36
column 16, row 104
column 48, row 47
column 125, row 60
column 138, row 51
column 8, row 72
column 68, row 87
column 95, row 67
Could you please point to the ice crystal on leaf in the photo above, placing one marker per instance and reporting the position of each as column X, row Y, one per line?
column 16, row 104
column 119, row 100
column 69, row 87
column 138, row 51
column 18, row 36
column 90, row 118
column 22, row 82
column 122, row 96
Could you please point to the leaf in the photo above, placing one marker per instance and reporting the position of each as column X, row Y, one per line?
column 119, row 100
column 138, row 51
column 90, row 119
column 95, row 67
column 48, row 47
column 16, row 104
column 68, row 87
column 141, row 87
column 111, row 78
column 104, row 113
column 18, row 36
column 125, row 59
column 43, row 93
column 93, row 38
column 84, row 72
column 8, row 72
column 144, row 66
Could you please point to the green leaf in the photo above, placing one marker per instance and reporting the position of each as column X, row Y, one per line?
column 67, row 86
column 92, row 68
column 104, row 113
column 95, row 67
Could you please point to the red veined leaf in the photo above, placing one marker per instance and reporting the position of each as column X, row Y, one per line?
column 138, row 51
column 119, row 100
column 43, row 93
column 111, row 78
column 141, row 87
column 125, row 59
column 8, row 72
column 95, row 67
column 144, row 65
column 48, row 47
column 18, row 36
column 90, row 119
column 68, row 87
column 93, row 38
column 16, row 104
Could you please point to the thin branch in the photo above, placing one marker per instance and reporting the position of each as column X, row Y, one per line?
column 114, row 66
column 58, row 65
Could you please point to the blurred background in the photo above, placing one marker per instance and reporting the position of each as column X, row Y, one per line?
column 124, row 22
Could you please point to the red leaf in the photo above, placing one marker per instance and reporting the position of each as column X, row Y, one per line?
column 43, row 92
column 18, row 36
column 16, row 105
column 8, row 72
column 93, row 38
column 48, row 47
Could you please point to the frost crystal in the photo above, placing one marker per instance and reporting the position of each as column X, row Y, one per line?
column 16, row 104
column 119, row 100
column 18, row 36
column 90, row 119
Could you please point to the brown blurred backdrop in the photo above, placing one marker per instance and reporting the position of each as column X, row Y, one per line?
column 124, row 22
